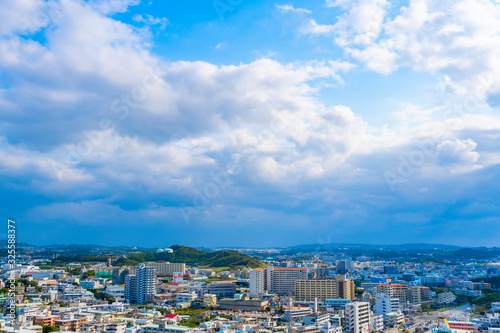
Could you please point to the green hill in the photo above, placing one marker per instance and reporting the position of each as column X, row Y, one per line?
column 194, row 256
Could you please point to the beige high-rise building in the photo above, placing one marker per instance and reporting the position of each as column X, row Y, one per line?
column 345, row 287
column 309, row 290
column 404, row 293
column 281, row 280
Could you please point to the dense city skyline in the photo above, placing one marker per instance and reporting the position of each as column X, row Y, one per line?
column 250, row 123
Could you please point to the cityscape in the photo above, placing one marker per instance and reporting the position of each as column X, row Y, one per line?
column 178, row 289
column 250, row 166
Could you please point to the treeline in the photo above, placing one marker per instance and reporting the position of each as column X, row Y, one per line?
column 181, row 254
column 184, row 254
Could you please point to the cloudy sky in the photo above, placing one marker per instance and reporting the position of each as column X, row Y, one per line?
column 250, row 123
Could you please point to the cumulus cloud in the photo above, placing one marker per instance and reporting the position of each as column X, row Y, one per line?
column 107, row 130
column 456, row 39
column 290, row 8
column 26, row 16
column 457, row 152
column 362, row 23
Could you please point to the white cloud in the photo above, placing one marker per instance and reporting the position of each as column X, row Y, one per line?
column 186, row 121
column 312, row 27
column 108, row 7
column 457, row 39
column 457, row 152
column 377, row 58
column 151, row 20
column 338, row 3
column 290, row 8
column 21, row 16
column 362, row 24
column 221, row 45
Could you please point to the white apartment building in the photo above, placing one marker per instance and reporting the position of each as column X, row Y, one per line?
column 163, row 327
column 292, row 313
column 446, row 298
column 186, row 297
column 116, row 327
column 377, row 322
column 115, row 291
column 385, row 304
column 257, row 282
column 394, row 319
column 357, row 317
column 328, row 328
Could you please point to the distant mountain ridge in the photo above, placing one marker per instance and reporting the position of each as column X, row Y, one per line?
column 409, row 246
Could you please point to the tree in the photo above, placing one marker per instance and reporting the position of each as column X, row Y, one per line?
column 49, row 328
column 88, row 274
column 75, row 271
column 481, row 310
column 102, row 296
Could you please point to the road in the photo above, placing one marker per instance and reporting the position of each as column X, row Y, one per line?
column 430, row 319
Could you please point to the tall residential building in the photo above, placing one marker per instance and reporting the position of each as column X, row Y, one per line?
column 401, row 291
column 391, row 270
column 168, row 268
column 394, row 319
column 120, row 273
column 345, row 287
column 377, row 322
column 357, row 317
column 323, row 272
column 257, row 282
column 385, row 304
column 131, row 294
column 280, row 280
column 415, row 295
column 309, row 290
column 404, row 293
column 343, row 266
column 140, row 288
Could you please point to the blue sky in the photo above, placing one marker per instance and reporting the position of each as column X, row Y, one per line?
column 250, row 123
